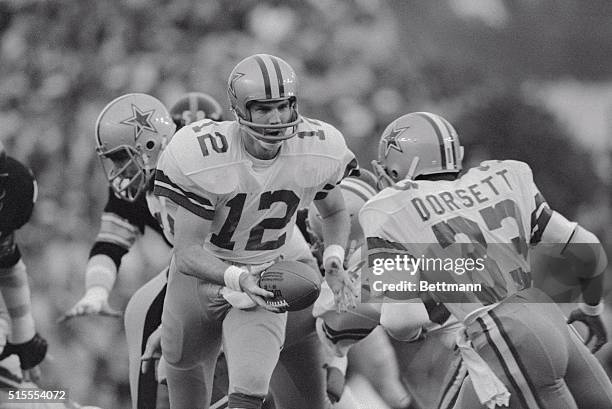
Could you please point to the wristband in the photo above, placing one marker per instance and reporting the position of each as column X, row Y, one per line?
column 231, row 277
column 100, row 274
column 333, row 250
column 592, row 310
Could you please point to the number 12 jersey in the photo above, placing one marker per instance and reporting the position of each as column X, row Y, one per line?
column 252, row 203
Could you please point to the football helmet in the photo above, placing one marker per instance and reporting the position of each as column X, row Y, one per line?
column 131, row 131
column 356, row 190
column 195, row 106
column 416, row 144
column 266, row 78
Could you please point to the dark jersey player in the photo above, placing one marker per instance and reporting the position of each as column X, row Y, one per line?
column 18, row 193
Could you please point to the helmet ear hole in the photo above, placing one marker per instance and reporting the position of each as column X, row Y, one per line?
column 150, row 145
column 394, row 175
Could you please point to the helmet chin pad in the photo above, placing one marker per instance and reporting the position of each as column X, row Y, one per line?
column 259, row 131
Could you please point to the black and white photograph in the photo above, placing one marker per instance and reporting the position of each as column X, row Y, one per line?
column 305, row 204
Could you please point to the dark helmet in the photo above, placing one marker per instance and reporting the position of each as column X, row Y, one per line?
column 195, row 106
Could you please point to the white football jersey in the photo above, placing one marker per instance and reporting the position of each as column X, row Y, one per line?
column 163, row 210
column 252, row 203
column 492, row 213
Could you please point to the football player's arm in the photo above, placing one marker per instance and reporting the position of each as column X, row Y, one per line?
column 120, row 225
column 24, row 341
column 190, row 233
column 336, row 228
column 583, row 250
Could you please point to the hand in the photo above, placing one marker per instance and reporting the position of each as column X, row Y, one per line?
column 248, row 284
column 31, row 375
column 152, row 351
column 94, row 302
column 30, row 353
column 342, row 285
column 238, row 299
column 335, row 383
column 594, row 325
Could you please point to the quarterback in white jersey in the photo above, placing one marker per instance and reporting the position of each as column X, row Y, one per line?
column 487, row 217
column 238, row 186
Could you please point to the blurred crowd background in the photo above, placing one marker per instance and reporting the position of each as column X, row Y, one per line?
column 520, row 79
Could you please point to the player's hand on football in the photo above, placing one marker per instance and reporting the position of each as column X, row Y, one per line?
column 342, row 285
column 94, row 302
column 248, row 284
column 595, row 326
column 152, row 351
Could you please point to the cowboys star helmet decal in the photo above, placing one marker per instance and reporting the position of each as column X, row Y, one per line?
column 140, row 120
column 392, row 142
column 235, row 77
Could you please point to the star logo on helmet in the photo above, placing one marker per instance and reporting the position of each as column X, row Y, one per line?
column 392, row 142
column 235, row 78
column 140, row 120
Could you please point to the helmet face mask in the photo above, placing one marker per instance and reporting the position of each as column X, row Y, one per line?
column 263, row 78
column 417, row 144
column 131, row 132
column 126, row 173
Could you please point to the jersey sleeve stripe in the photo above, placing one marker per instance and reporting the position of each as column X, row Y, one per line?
column 568, row 240
column 114, row 238
column 163, row 182
column 352, row 169
column 539, row 220
column 184, row 202
column 320, row 196
column 111, row 219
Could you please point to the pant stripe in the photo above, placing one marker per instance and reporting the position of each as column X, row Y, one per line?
column 147, row 384
column 517, row 358
column 502, row 362
column 507, row 362
column 452, row 389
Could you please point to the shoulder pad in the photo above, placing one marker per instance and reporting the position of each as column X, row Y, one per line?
column 515, row 167
column 319, row 152
column 205, row 152
column 326, row 138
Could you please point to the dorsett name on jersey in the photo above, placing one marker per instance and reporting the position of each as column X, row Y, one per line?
column 252, row 203
column 480, row 187
column 484, row 190
column 495, row 206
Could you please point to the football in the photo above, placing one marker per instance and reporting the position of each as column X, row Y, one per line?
column 295, row 285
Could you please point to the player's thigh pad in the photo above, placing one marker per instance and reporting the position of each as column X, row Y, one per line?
column 191, row 322
column 252, row 341
column 526, row 345
column 586, row 378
